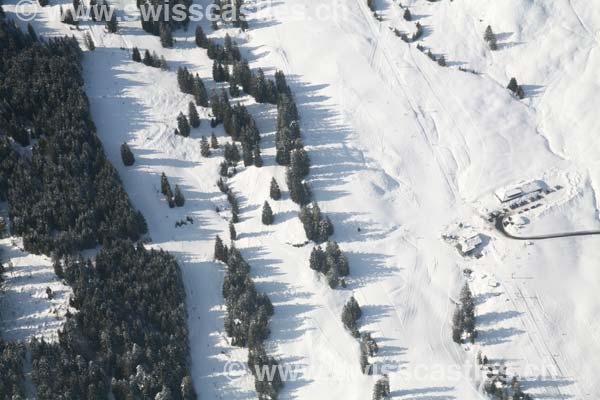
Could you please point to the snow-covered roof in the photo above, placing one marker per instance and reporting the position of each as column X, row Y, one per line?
column 470, row 243
column 511, row 193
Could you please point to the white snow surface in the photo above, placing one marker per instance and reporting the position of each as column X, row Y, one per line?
column 400, row 148
column 27, row 311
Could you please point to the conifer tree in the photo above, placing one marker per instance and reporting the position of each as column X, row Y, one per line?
column 204, row 147
column 381, row 390
column 369, row 343
column 127, row 155
column 178, row 198
column 135, row 55
column 274, row 191
column 232, row 232
column 183, row 125
column 489, row 34
column 299, row 192
column 220, row 254
column 247, row 155
column 407, row 15
column 148, row 59
column 112, row 25
column 258, row 161
column 193, row 115
column 89, row 42
column 165, row 186
column 199, row 92
column 442, row 61
column 166, row 35
column 185, row 80
column 201, row 39
column 260, row 87
column 317, row 259
column 234, row 90
column 214, row 143
column 215, row 104
column 514, row 87
column 162, row 63
column 267, row 214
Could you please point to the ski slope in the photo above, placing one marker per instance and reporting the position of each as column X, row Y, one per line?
column 400, row 149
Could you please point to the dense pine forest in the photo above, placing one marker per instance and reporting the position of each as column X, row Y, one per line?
column 129, row 334
column 63, row 193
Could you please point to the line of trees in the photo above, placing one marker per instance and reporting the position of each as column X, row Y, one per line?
column 247, row 320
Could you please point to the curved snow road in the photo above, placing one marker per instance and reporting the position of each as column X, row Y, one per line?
column 501, row 228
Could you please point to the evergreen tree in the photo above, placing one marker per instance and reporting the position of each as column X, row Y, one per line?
column 514, row 87
column 274, row 191
column 299, row 192
column 350, row 314
column 148, row 60
column 232, row 232
column 215, row 104
column 166, row 36
column 204, row 147
column 247, row 155
column 317, row 259
column 89, row 42
column 489, row 34
column 442, row 61
column 178, row 198
column 258, row 161
column 112, row 25
column 185, row 80
column 165, row 186
column 183, row 125
column 201, row 39
column 333, row 278
column 407, row 15
column 381, row 390
column 418, row 33
column 214, row 143
column 220, row 253
column 127, row 155
column 234, row 90
column 281, row 83
column 193, row 115
column 463, row 320
column 135, row 55
column 260, row 87
column 365, row 367
column 299, row 162
column 334, row 258
column 369, row 344
column 199, row 92
column 231, row 153
column 267, row 214
column 490, row 37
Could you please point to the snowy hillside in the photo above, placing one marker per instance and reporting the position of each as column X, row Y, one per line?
column 403, row 152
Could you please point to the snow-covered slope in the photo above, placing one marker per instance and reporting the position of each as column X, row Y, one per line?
column 28, row 308
column 401, row 149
